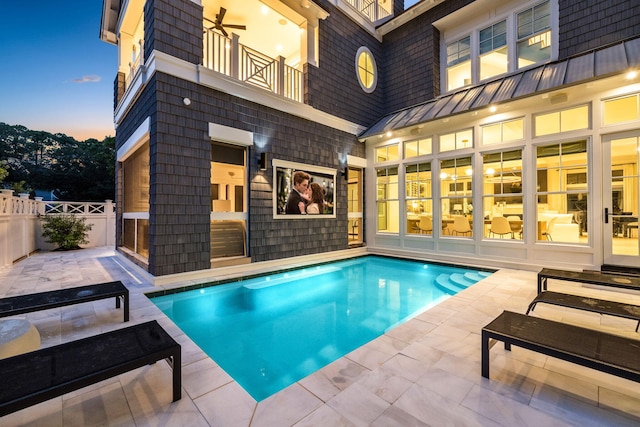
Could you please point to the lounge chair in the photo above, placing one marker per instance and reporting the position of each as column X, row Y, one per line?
column 40, row 375
column 613, row 354
column 612, row 308
column 21, row 304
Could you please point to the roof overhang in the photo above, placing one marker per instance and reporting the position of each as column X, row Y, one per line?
column 109, row 21
column 594, row 65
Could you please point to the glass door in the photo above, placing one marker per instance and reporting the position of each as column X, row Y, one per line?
column 228, row 231
column 354, row 204
column 621, row 201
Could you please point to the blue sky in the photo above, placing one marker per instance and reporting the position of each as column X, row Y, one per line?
column 56, row 74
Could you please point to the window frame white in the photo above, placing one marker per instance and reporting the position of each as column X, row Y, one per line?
column 465, row 23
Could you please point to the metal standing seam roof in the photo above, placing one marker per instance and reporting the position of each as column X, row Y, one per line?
column 594, row 64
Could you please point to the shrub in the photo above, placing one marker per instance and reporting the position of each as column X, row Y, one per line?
column 67, row 231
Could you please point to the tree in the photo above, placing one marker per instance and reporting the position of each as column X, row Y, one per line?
column 76, row 171
column 3, row 171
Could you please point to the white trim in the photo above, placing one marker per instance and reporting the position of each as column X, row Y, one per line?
column 230, row 135
column 229, row 216
column 159, row 61
column 137, row 138
column 362, row 50
column 303, row 166
column 135, row 215
column 359, row 162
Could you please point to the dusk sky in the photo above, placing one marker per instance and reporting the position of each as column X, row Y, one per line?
column 56, row 74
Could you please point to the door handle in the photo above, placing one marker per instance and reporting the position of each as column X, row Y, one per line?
column 606, row 215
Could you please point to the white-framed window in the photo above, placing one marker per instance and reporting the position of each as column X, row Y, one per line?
column 534, row 35
column 505, row 131
column 494, row 58
column 419, row 198
column 387, row 200
column 417, row 147
column 566, row 120
column 520, row 35
column 459, row 63
column 386, row 153
column 456, row 140
column 366, row 70
column 621, row 110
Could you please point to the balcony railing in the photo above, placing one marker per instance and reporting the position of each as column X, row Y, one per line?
column 227, row 56
column 371, row 9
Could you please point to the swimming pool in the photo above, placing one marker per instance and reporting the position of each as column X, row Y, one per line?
column 271, row 331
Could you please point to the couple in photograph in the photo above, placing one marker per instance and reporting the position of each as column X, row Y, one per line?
column 305, row 198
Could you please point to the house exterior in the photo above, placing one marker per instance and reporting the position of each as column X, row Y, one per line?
column 421, row 126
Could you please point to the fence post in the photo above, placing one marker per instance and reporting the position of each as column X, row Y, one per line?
column 5, row 225
column 110, row 223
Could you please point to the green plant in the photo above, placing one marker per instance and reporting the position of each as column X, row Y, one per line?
column 67, row 231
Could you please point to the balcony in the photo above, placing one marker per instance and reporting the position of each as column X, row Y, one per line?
column 373, row 10
column 226, row 55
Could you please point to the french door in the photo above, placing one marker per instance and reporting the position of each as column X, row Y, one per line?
column 621, row 198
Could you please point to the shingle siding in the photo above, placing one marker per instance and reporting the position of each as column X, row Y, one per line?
column 589, row 24
column 174, row 28
column 412, row 58
column 333, row 85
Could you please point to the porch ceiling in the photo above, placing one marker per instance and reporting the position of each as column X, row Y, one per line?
column 594, row 65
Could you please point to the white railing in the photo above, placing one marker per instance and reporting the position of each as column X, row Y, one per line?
column 21, row 227
column 136, row 62
column 227, row 56
column 370, row 9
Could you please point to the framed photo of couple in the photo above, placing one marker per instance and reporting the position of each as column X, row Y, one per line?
column 303, row 191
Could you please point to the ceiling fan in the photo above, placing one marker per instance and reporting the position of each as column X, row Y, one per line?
column 218, row 25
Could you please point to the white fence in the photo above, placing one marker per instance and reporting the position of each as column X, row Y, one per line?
column 21, row 227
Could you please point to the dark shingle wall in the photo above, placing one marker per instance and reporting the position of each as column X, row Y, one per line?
column 175, row 28
column 588, row 24
column 412, row 59
column 333, row 86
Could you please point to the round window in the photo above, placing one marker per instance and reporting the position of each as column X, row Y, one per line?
column 366, row 70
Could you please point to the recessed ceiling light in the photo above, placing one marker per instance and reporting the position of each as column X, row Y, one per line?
column 283, row 22
column 264, row 9
column 493, row 109
column 631, row 75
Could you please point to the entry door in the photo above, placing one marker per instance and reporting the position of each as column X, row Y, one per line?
column 621, row 201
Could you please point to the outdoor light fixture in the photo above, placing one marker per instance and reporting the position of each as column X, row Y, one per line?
column 262, row 162
column 345, row 172
column 186, row 101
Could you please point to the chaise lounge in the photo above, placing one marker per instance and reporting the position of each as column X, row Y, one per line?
column 594, row 349
column 22, row 304
column 35, row 377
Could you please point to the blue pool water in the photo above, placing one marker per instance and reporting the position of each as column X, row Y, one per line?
column 271, row 331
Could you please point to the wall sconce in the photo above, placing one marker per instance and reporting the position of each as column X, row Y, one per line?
column 345, row 172
column 262, row 161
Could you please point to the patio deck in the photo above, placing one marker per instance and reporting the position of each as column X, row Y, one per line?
column 425, row 372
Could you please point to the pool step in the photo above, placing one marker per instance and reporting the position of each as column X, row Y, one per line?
column 475, row 276
column 460, row 280
column 456, row 282
column 445, row 283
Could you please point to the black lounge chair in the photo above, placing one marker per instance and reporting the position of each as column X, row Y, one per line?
column 40, row 375
column 613, row 354
column 612, row 308
column 21, row 304
column 602, row 279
